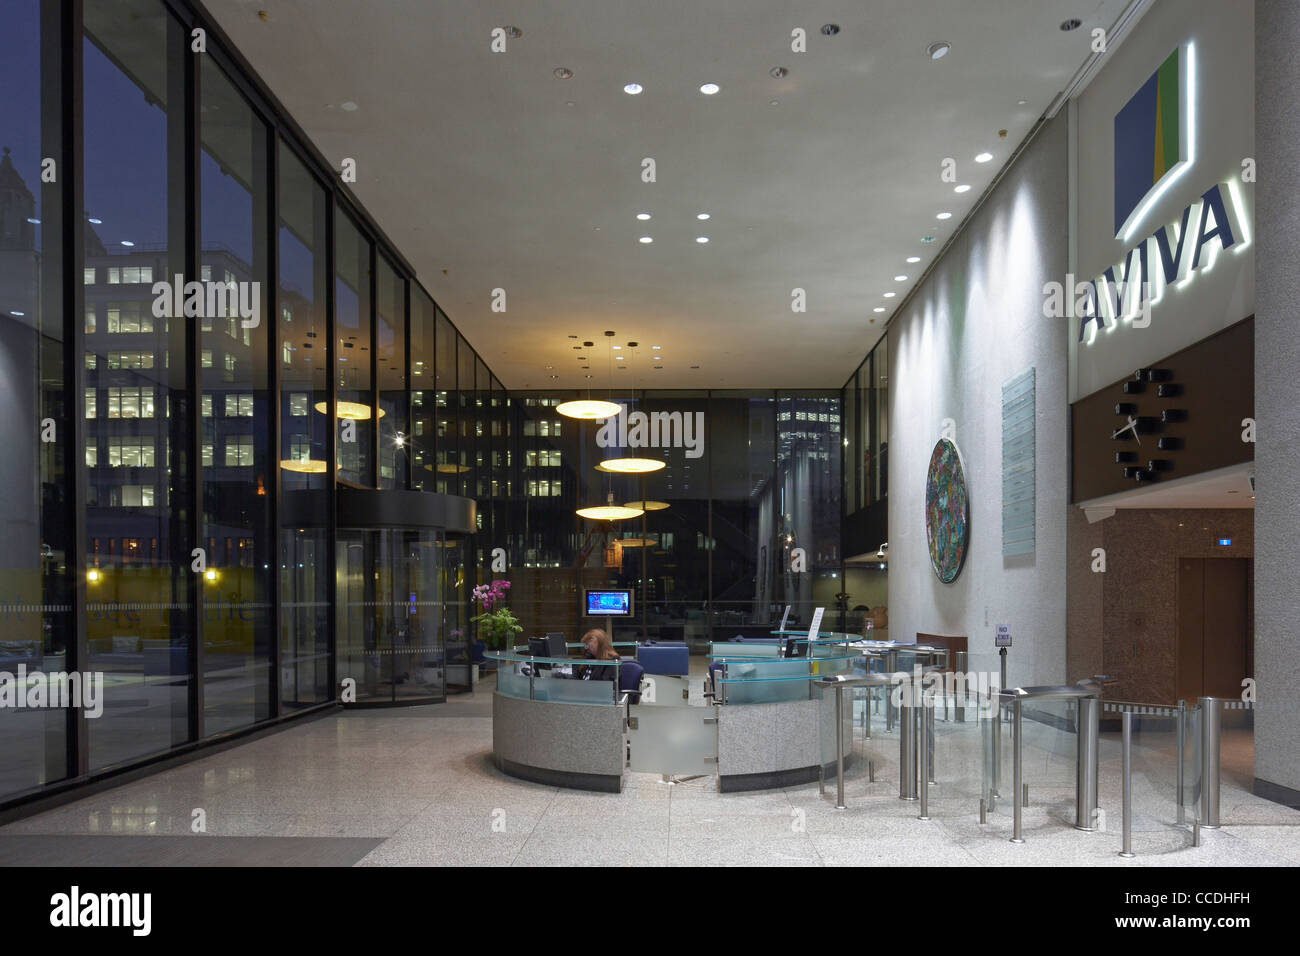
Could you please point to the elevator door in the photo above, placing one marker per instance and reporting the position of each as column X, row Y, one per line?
column 1213, row 637
column 390, row 614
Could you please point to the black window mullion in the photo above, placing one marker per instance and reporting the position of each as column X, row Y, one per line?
column 274, row 363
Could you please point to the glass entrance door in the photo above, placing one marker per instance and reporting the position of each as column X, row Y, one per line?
column 390, row 614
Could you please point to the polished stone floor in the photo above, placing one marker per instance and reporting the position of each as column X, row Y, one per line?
column 416, row 786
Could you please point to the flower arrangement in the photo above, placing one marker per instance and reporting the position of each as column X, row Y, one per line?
column 495, row 626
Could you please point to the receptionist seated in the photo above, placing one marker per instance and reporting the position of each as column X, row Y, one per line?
column 597, row 646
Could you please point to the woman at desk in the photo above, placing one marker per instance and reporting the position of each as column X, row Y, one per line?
column 597, row 646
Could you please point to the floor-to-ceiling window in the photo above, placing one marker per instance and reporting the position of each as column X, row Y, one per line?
column 38, row 392
column 237, row 472
column 303, row 355
column 138, row 396
column 352, row 334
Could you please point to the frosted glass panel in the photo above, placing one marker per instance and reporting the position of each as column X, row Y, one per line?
column 673, row 740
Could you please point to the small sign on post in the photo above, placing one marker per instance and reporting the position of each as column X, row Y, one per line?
column 1003, row 638
column 816, row 623
column 784, row 617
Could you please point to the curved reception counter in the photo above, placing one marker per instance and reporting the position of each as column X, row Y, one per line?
column 763, row 720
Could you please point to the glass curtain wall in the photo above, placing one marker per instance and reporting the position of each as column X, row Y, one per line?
column 38, row 390
column 304, row 430
column 353, row 366
column 709, row 557
column 237, row 443
column 199, row 332
column 139, row 396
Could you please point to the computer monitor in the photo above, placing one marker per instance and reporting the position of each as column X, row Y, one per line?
column 555, row 644
column 796, row 647
column 538, row 647
column 609, row 603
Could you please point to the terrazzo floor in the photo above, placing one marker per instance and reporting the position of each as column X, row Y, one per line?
column 416, row 786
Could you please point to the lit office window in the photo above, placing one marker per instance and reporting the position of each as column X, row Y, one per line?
column 239, row 405
column 88, row 276
column 91, row 321
column 298, row 403
column 239, row 451
column 90, row 403
column 92, row 455
column 127, row 452
column 130, row 402
column 206, row 404
column 130, row 360
column 206, row 359
column 207, row 454
column 137, row 496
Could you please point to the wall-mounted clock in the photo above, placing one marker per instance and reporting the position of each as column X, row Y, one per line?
column 1148, row 413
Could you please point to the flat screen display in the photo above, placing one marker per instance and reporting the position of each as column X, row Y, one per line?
column 609, row 603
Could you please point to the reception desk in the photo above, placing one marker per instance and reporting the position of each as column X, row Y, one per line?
column 763, row 723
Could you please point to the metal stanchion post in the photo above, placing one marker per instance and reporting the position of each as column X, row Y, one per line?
column 1128, row 785
column 927, row 710
column 1018, row 774
column 959, row 688
column 927, row 718
column 1087, row 735
column 839, row 748
column 1211, row 730
column 1182, row 745
column 907, row 745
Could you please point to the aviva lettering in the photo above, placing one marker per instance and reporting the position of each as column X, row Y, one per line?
column 1171, row 255
column 654, row 430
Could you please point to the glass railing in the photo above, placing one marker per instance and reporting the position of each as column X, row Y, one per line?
column 558, row 679
column 740, row 678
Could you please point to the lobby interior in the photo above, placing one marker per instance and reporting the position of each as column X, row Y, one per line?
column 856, row 283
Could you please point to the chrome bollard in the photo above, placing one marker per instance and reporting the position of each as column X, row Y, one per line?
column 1127, row 852
column 907, row 746
column 1087, row 735
column 959, row 705
column 1017, row 828
column 927, row 718
column 927, row 714
column 1211, row 733
column 839, row 748
column 1182, row 760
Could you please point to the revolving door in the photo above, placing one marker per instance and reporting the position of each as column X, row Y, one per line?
column 390, row 614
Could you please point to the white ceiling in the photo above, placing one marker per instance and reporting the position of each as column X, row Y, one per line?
column 488, row 172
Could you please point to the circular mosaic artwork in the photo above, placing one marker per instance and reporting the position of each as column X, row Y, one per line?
column 947, row 511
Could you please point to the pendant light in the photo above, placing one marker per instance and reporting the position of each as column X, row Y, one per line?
column 610, row 511
column 588, row 409
column 627, row 466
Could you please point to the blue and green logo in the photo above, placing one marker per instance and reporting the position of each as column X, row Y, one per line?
column 1152, row 138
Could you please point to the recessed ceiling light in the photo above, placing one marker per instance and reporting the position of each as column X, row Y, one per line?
column 983, row 157
column 890, row 295
column 618, row 347
column 900, row 278
column 879, row 308
column 656, row 348
column 927, row 238
column 34, row 222
column 646, row 239
column 632, row 89
column 1070, row 24
column 96, row 222
column 913, row 258
column 708, row 89
column 348, row 106
column 643, row 216
column 127, row 242
column 938, row 50
column 563, row 73
column 701, row 215
column 944, row 215
column 830, row 29
column 1022, row 102
column 658, row 358
column 701, row 238
column 963, row 188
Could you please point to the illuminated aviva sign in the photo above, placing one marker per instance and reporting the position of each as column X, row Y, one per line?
column 1155, row 140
